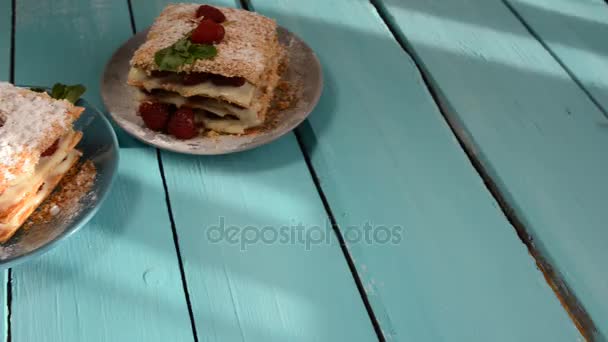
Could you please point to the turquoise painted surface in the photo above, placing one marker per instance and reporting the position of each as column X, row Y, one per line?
column 259, row 281
column 116, row 280
column 3, row 306
column 538, row 135
column 6, row 11
column 5, row 53
column 70, row 41
column 575, row 31
column 384, row 155
column 273, row 291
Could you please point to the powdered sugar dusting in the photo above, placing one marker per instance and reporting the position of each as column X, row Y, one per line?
column 36, row 236
column 303, row 70
column 75, row 195
column 29, row 118
column 249, row 43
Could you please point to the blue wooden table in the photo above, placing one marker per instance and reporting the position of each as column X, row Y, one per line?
column 450, row 186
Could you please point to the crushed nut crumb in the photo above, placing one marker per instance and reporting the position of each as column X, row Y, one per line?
column 76, row 183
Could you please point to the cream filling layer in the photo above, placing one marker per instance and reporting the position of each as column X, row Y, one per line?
column 59, row 170
column 247, row 117
column 242, row 95
column 46, row 168
column 226, row 125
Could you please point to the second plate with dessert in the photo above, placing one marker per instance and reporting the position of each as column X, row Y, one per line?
column 75, row 166
column 137, row 86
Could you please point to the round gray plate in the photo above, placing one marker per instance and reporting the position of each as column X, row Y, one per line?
column 99, row 145
column 303, row 71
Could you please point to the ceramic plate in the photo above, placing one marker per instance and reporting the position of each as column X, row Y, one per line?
column 303, row 71
column 98, row 144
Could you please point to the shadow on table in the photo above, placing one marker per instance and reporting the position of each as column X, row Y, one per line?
column 339, row 106
column 103, row 263
column 583, row 33
column 361, row 102
column 456, row 11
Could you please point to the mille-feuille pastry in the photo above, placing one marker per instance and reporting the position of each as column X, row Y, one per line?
column 218, row 66
column 37, row 148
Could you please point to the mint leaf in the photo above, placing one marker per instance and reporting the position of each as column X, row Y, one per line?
column 58, row 91
column 38, row 90
column 168, row 60
column 72, row 93
column 68, row 92
column 182, row 45
column 199, row 51
column 181, row 53
column 160, row 55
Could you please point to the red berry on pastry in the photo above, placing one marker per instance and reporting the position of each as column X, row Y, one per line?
column 181, row 124
column 210, row 12
column 51, row 149
column 208, row 32
column 155, row 115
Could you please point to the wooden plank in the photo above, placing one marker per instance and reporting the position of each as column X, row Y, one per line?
column 70, row 41
column 384, row 155
column 536, row 133
column 4, row 309
column 280, row 289
column 575, row 32
column 274, row 291
column 117, row 280
column 6, row 11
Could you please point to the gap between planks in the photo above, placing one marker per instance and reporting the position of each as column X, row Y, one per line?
column 563, row 65
column 161, row 171
column 9, row 301
column 569, row 301
column 343, row 247
column 246, row 4
column 176, row 242
column 9, row 277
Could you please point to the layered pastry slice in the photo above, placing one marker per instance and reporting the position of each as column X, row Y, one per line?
column 221, row 62
column 36, row 150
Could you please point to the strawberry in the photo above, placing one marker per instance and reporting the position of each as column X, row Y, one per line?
column 210, row 12
column 155, row 115
column 208, row 32
column 181, row 124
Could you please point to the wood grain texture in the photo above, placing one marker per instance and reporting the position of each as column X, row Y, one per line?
column 280, row 290
column 70, row 41
column 384, row 155
column 535, row 132
column 5, row 65
column 283, row 288
column 117, row 280
column 575, row 32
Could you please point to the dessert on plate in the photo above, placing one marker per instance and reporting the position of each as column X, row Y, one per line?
column 37, row 148
column 206, row 68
